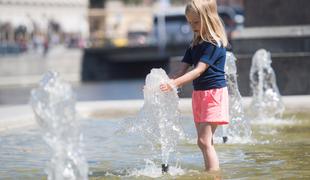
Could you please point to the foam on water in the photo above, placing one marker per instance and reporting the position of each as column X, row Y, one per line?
column 274, row 121
column 153, row 170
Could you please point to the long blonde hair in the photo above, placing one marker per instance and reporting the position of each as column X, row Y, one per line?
column 212, row 28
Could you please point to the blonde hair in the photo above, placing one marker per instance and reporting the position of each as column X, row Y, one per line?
column 212, row 28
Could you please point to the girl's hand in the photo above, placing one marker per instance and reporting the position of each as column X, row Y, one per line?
column 167, row 87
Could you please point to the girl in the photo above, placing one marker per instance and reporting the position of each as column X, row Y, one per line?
column 207, row 54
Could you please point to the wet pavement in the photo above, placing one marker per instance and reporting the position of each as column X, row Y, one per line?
column 21, row 73
column 108, row 90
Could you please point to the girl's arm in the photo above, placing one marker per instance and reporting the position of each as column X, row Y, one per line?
column 186, row 78
column 182, row 69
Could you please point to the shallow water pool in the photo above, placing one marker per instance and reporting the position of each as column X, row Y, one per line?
column 279, row 149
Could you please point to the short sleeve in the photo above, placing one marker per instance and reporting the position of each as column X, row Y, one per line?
column 208, row 54
column 188, row 57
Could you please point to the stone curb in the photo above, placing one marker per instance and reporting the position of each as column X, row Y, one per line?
column 14, row 117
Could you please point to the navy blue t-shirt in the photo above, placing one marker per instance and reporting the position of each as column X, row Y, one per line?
column 214, row 56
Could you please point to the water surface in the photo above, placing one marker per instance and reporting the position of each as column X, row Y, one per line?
column 279, row 149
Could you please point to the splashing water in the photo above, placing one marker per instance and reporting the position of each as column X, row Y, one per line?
column 153, row 171
column 266, row 101
column 238, row 130
column 159, row 118
column 53, row 103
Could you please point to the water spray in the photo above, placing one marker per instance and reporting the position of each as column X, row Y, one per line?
column 53, row 103
column 239, row 126
column 158, row 121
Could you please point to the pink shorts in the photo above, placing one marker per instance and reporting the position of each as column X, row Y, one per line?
column 211, row 106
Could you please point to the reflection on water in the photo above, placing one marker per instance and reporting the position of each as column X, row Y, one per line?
column 279, row 150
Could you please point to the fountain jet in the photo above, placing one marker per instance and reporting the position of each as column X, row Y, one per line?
column 158, row 119
column 266, row 101
column 53, row 103
column 239, row 126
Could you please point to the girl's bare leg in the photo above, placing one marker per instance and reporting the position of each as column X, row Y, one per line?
column 205, row 133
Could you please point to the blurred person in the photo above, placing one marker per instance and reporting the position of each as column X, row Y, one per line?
column 38, row 42
column 207, row 54
column 45, row 45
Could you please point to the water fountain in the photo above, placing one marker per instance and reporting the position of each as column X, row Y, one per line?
column 158, row 120
column 266, row 102
column 53, row 103
column 280, row 150
column 238, row 127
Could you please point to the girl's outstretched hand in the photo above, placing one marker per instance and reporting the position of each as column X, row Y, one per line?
column 167, row 87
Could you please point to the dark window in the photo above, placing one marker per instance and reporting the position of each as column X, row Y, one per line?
column 96, row 3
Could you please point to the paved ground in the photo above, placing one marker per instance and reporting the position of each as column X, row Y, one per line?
column 27, row 69
column 19, row 74
column 109, row 90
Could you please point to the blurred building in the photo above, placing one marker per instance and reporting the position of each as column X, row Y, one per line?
column 32, row 20
column 282, row 27
column 231, row 2
column 120, row 23
column 112, row 22
column 150, row 32
column 124, row 22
